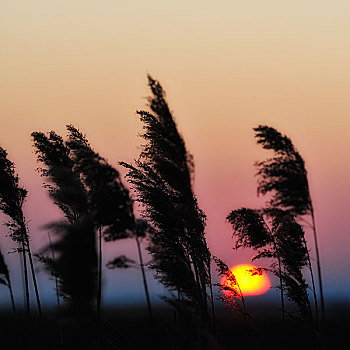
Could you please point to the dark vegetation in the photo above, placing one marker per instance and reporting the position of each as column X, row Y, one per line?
column 96, row 206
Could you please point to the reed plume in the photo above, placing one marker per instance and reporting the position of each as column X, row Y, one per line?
column 162, row 178
column 274, row 233
column 285, row 176
column 109, row 203
column 231, row 293
column 76, row 259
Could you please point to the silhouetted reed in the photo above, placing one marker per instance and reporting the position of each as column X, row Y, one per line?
column 75, row 263
column 76, row 259
column 291, row 245
column 285, row 176
column 109, row 203
column 275, row 234
column 251, row 231
column 162, row 178
column 104, row 202
column 12, row 198
column 230, row 291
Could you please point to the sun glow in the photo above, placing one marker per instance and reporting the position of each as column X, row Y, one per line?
column 251, row 281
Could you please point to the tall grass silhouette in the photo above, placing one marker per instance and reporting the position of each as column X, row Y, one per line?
column 285, row 176
column 276, row 235
column 109, row 203
column 162, row 178
column 76, row 259
column 12, row 198
column 251, row 231
column 90, row 192
column 273, row 231
column 231, row 293
column 97, row 207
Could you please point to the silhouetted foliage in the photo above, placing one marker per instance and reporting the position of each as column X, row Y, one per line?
column 251, row 231
column 292, row 250
column 162, row 179
column 12, row 198
column 50, row 264
column 250, row 228
column 285, row 176
column 4, row 272
column 76, row 262
column 120, row 262
column 231, row 293
column 64, row 186
column 282, row 240
column 76, row 259
column 90, row 193
column 109, row 201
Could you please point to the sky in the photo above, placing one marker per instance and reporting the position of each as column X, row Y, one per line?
column 227, row 66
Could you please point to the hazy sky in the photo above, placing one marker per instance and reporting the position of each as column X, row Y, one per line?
column 227, row 66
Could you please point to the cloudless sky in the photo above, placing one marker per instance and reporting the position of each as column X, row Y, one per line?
column 226, row 66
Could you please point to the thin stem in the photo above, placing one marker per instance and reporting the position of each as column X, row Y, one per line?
column 201, row 291
column 144, row 279
column 99, row 291
column 281, row 282
column 318, row 265
column 25, row 242
column 279, row 271
column 25, row 271
column 34, row 278
column 56, row 280
column 312, row 281
column 212, row 301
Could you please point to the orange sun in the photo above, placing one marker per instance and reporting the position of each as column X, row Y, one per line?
column 249, row 283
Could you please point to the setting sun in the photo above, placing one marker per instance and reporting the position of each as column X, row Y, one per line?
column 250, row 281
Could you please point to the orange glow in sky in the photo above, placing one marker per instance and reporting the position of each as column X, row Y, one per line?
column 250, row 284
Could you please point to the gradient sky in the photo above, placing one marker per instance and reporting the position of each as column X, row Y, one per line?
column 227, row 66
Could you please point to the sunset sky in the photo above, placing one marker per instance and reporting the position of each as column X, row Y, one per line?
column 227, row 66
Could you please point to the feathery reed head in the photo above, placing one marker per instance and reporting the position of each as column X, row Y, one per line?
column 249, row 228
column 284, row 174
